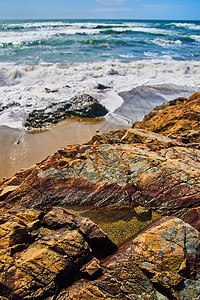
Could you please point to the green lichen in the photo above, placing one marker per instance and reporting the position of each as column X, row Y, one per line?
column 121, row 231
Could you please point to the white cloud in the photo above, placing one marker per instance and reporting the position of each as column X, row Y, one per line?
column 110, row 9
column 112, row 2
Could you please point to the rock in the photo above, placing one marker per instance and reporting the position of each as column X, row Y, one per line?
column 179, row 118
column 138, row 174
column 169, row 254
column 144, row 169
column 98, row 241
column 84, row 106
column 58, row 218
column 40, row 262
column 161, row 263
column 51, row 91
column 92, row 270
column 61, row 219
column 102, row 87
column 8, row 190
column 192, row 216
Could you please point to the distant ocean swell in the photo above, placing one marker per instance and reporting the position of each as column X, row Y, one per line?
column 38, row 41
column 73, row 56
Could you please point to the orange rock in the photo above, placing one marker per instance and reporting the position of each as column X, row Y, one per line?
column 179, row 118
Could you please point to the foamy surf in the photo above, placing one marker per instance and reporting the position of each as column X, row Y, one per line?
column 25, row 88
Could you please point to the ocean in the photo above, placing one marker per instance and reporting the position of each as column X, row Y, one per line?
column 73, row 56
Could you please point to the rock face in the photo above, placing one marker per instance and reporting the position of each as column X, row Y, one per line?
column 42, row 253
column 177, row 118
column 84, row 106
column 56, row 254
column 137, row 168
column 141, row 188
column 161, row 263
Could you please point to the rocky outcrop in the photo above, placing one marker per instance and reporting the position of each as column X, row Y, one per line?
column 138, row 168
column 141, row 188
column 42, row 253
column 84, row 106
column 142, row 175
column 161, row 263
column 63, row 256
column 179, row 118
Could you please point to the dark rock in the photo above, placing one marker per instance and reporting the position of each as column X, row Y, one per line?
column 102, row 87
column 51, row 91
column 84, row 106
column 98, row 241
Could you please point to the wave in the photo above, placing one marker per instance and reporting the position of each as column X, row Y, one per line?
column 33, row 25
column 192, row 26
column 195, row 37
column 166, row 42
column 102, row 41
column 133, row 30
column 27, row 85
column 50, row 25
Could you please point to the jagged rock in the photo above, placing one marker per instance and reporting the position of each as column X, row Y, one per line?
column 139, row 174
column 161, row 263
column 123, row 180
column 179, row 118
column 92, row 270
column 169, row 253
column 153, row 172
column 39, row 262
column 84, row 106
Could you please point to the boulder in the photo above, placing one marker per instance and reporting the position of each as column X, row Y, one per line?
column 37, row 262
column 161, row 263
column 84, row 106
column 179, row 118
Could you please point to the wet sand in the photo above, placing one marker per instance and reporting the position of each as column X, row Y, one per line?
column 20, row 149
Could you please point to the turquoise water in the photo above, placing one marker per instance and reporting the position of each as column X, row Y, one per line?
column 159, row 60
column 69, row 41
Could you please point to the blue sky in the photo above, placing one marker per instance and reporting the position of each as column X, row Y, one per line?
column 101, row 9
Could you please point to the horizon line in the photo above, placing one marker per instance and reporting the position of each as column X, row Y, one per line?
column 130, row 19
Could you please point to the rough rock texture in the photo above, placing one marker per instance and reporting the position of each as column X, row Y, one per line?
column 55, row 255
column 177, row 118
column 41, row 253
column 141, row 188
column 169, row 254
column 139, row 174
column 84, row 106
column 138, row 168
column 161, row 263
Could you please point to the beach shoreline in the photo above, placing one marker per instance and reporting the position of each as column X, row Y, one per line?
column 128, row 66
column 21, row 149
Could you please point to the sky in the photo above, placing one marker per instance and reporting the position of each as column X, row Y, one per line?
column 100, row 9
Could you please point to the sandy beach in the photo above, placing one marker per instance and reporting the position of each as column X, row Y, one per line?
column 21, row 149
column 140, row 65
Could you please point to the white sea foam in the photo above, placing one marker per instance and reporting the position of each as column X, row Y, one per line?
column 26, row 85
column 45, row 30
column 195, row 37
column 150, row 30
column 187, row 25
column 166, row 42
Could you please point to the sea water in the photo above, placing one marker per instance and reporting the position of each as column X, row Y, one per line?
column 73, row 56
